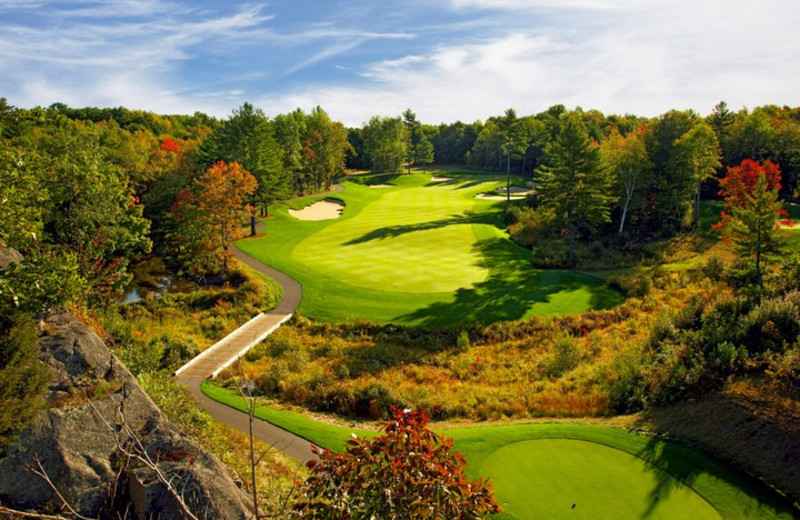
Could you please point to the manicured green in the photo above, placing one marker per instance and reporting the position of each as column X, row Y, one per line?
column 500, row 452
column 568, row 479
column 418, row 253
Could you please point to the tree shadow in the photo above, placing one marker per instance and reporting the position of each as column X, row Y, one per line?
column 512, row 288
column 714, row 420
column 672, row 468
column 468, row 217
column 459, row 183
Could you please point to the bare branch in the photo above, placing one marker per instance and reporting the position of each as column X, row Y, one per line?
column 15, row 513
column 40, row 471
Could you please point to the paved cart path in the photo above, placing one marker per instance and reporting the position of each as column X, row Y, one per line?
column 225, row 352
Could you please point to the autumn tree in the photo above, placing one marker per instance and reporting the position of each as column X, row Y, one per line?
column 406, row 473
column 626, row 156
column 210, row 213
column 575, row 183
column 740, row 181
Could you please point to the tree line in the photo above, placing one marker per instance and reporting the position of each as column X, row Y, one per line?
column 83, row 191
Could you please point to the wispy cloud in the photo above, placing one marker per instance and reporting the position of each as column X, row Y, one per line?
column 447, row 59
column 678, row 54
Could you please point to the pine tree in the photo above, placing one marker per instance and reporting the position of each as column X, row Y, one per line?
column 754, row 229
column 423, row 152
column 575, row 183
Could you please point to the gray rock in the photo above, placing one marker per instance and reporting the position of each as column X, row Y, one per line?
column 78, row 450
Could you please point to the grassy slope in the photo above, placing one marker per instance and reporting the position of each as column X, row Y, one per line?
column 734, row 496
column 391, row 243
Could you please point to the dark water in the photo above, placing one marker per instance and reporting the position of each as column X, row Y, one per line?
column 151, row 278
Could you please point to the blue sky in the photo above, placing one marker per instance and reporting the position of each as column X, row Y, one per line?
column 446, row 59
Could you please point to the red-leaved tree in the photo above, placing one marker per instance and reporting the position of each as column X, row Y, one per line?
column 408, row 472
column 740, row 182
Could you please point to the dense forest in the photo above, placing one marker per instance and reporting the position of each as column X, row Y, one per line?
column 87, row 191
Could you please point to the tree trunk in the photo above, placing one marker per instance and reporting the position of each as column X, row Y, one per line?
column 628, row 195
column 571, row 231
column 696, row 210
column 253, row 223
column 251, row 414
column 508, row 180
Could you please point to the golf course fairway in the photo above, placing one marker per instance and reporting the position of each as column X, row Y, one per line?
column 418, row 252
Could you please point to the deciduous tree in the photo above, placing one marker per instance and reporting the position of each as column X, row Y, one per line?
column 627, row 158
column 697, row 156
column 407, row 473
column 210, row 214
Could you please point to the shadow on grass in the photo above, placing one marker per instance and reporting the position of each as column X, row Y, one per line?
column 512, row 288
column 468, row 217
column 686, row 463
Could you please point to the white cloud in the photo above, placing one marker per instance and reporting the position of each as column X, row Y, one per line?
column 635, row 58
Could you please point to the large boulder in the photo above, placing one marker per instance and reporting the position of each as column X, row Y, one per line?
column 94, row 400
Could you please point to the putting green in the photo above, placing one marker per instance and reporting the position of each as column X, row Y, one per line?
column 418, row 253
column 572, row 479
column 536, row 468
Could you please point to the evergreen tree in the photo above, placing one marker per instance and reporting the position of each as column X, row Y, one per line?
column 423, row 152
column 754, row 229
column 413, row 128
column 23, row 378
column 512, row 145
column 247, row 139
column 575, row 183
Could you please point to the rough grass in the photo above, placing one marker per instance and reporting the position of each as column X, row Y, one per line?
column 493, row 451
column 419, row 253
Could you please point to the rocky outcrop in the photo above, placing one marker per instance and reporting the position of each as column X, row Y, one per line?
column 76, row 442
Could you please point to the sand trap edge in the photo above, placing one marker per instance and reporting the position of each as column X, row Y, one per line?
column 325, row 209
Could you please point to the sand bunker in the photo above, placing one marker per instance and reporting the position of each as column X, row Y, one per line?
column 321, row 210
column 381, row 185
column 441, row 179
column 515, row 190
column 486, row 196
column 517, row 193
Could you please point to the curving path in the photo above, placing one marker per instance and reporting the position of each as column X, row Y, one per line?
column 209, row 363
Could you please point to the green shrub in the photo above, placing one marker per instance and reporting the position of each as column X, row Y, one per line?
column 714, row 268
column 23, row 378
column 727, row 357
column 773, row 325
column 462, row 343
column 566, row 356
column 175, row 401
